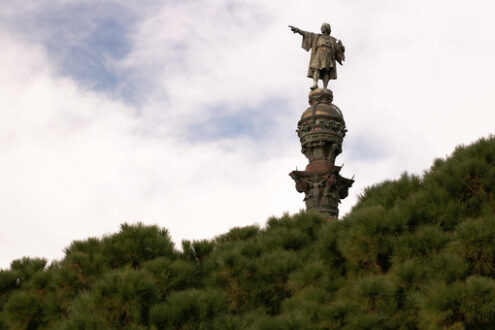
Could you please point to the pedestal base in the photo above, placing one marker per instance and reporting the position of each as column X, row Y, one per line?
column 323, row 190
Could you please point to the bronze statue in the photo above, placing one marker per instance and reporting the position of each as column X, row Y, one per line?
column 325, row 51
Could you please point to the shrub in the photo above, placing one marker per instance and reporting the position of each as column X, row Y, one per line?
column 475, row 243
column 121, row 297
column 172, row 275
column 239, row 234
column 135, row 244
column 27, row 267
column 23, row 311
column 189, row 309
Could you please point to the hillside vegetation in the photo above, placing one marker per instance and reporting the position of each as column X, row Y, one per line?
column 414, row 253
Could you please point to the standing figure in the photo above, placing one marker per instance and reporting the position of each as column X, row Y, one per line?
column 328, row 185
column 317, row 185
column 325, row 51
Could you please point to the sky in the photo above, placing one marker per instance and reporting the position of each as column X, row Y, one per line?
column 183, row 113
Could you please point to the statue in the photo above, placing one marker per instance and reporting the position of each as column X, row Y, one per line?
column 325, row 51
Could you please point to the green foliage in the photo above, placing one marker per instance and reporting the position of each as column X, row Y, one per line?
column 135, row 244
column 189, row 308
column 425, row 241
column 121, row 297
column 126, row 296
column 86, row 257
column 197, row 250
column 270, row 280
column 27, row 267
column 239, row 234
column 293, row 321
column 9, row 280
column 23, row 311
column 84, row 315
column 475, row 244
column 327, row 246
column 172, row 275
column 414, row 253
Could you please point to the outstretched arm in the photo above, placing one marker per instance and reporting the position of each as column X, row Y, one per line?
column 296, row 30
column 308, row 38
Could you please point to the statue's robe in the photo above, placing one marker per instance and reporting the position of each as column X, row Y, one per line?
column 325, row 51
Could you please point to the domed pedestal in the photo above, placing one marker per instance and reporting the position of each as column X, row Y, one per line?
column 321, row 131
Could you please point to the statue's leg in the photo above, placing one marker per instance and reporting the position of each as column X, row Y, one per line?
column 316, row 76
column 326, row 78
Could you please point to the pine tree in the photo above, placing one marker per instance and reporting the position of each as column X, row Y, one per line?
column 416, row 252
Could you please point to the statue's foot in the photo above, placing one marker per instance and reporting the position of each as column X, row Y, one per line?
column 314, row 87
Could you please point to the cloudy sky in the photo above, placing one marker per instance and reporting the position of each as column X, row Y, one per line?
column 183, row 113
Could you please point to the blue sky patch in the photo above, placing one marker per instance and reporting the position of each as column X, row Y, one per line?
column 364, row 147
column 83, row 39
column 256, row 122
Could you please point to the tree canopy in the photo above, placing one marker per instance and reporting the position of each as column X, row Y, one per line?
column 416, row 252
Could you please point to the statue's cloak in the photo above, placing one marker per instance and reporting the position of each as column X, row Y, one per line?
column 310, row 41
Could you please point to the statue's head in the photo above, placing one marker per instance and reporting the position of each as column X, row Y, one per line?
column 325, row 28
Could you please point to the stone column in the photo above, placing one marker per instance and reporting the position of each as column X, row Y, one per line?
column 321, row 131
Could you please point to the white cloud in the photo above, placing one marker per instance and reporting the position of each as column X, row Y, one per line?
column 73, row 162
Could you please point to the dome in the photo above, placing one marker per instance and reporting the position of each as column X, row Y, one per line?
column 321, row 106
column 322, row 110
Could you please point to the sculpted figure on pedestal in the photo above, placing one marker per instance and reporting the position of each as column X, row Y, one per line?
column 321, row 129
column 325, row 52
column 329, row 185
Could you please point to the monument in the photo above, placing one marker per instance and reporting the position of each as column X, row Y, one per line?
column 321, row 128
